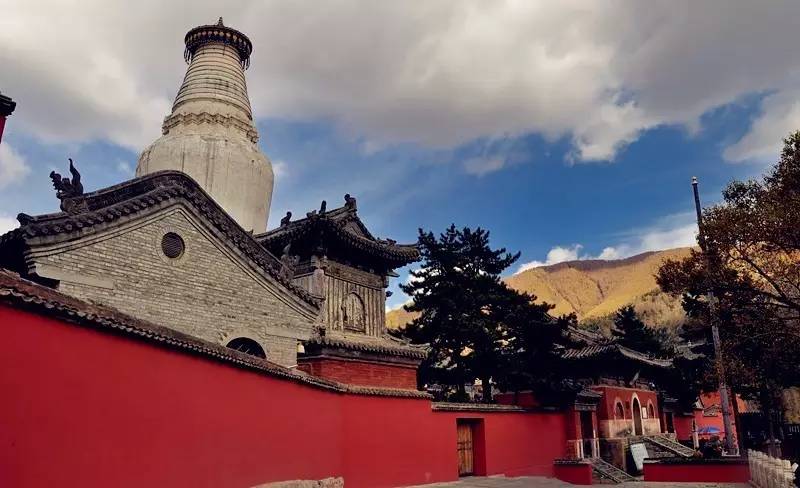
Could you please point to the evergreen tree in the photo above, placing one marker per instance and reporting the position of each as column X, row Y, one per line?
column 473, row 323
column 633, row 333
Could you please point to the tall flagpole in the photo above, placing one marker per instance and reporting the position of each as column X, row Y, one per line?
column 724, row 398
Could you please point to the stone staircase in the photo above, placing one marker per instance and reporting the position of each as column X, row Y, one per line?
column 607, row 472
column 666, row 443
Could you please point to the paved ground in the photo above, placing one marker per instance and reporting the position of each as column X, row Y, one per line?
column 538, row 482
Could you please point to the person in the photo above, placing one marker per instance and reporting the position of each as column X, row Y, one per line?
column 713, row 448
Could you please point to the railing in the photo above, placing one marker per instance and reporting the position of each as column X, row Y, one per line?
column 770, row 472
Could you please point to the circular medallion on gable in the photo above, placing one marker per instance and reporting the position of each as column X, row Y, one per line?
column 172, row 245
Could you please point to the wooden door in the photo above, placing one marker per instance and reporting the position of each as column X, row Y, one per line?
column 587, row 432
column 637, row 417
column 466, row 457
column 670, row 422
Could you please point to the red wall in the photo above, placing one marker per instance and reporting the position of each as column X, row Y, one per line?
column 605, row 410
column 521, row 399
column 361, row 373
column 90, row 409
column 706, row 472
column 394, row 442
column 683, row 426
column 575, row 473
column 516, row 443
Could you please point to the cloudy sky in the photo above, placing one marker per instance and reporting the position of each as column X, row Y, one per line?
column 570, row 129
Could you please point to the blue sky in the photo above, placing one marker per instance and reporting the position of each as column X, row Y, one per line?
column 566, row 142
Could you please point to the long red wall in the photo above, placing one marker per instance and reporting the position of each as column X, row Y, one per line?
column 698, row 472
column 516, row 444
column 87, row 408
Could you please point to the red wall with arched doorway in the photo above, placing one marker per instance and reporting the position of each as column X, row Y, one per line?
column 610, row 426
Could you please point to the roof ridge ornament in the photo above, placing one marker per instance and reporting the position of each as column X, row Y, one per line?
column 219, row 22
column 285, row 220
column 350, row 202
column 67, row 189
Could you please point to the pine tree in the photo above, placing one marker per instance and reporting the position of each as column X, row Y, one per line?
column 473, row 323
column 633, row 333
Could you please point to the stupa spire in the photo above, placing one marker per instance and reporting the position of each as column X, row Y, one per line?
column 210, row 133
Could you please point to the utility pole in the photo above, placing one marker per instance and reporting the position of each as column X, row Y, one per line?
column 724, row 398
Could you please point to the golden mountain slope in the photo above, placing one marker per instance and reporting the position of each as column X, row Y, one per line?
column 398, row 317
column 595, row 289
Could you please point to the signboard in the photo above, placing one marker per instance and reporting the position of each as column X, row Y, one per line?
column 639, row 453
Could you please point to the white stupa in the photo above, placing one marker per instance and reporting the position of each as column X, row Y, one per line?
column 210, row 134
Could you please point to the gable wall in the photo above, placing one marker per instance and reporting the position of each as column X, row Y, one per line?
column 209, row 292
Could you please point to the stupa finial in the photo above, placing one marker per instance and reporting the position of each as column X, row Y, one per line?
column 218, row 33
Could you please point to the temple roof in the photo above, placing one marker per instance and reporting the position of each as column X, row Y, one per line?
column 343, row 225
column 386, row 345
column 610, row 350
column 93, row 212
column 7, row 105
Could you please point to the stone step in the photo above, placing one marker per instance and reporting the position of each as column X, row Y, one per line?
column 607, row 471
column 670, row 445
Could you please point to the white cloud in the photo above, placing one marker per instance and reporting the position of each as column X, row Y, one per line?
column 780, row 115
column 13, row 166
column 125, row 167
column 280, row 169
column 555, row 255
column 391, row 308
column 670, row 232
column 483, row 166
column 434, row 73
column 7, row 223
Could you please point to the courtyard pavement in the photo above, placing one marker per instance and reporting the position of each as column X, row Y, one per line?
column 540, row 482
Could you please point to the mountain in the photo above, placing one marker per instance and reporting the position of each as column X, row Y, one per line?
column 595, row 289
column 398, row 317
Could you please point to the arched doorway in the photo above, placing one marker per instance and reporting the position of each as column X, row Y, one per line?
column 247, row 346
column 637, row 417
